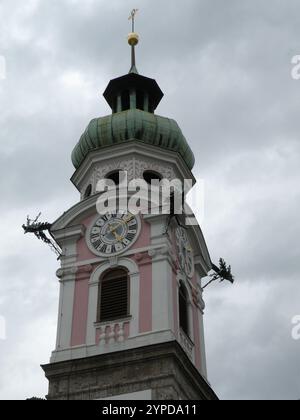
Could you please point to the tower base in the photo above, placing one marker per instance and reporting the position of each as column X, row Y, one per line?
column 157, row 372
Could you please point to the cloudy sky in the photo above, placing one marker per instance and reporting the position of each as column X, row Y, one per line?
column 225, row 68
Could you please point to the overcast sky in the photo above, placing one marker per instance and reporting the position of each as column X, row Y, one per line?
column 225, row 69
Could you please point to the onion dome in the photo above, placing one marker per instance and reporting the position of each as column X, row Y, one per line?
column 133, row 99
column 129, row 125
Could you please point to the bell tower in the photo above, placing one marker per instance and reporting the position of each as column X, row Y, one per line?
column 130, row 321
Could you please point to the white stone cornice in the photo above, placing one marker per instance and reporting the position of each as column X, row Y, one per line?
column 135, row 150
column 152, row 218
column 66, row 274
column 158, row 252
column 163, row 253
column 202, row 257
column 69, row 273
column 72, row 233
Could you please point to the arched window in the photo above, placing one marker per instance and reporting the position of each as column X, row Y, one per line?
column 88, row 191
column 154, row 200
column 150, row 176
column 114, row 296
column 116, row 176
column 183, row 309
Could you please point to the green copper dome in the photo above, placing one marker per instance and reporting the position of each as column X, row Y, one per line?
column 133, row 99
column 132, row 124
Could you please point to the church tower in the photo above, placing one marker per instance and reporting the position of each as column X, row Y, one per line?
column 130, row 321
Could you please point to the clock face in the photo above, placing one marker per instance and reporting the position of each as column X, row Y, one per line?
column 185, row 252
column 113, row 233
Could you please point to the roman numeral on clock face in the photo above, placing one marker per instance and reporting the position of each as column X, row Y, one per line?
column 121, row 214
column 95, row 231
column 130, row 236
column 102, row 248
column 94, row 236
column 96, row 243
column 132, row 225
column 119, row 247
column 107, row 217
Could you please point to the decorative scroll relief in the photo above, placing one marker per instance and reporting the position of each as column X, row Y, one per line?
column 114, row 261
column 141, row 166
column 111, row 333
column 61, row 272
column 142, row 258
column 134, row 167
column 158, row 252
column 163, row 251
column 102, row 170
column 186, row 344
column 74, row 272
column 197, row 296
column 199, row 300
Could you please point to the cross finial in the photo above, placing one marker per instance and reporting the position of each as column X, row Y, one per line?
column 133, row 40
column 132, row 17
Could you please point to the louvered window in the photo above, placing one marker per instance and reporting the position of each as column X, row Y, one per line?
column 114, row 296
column 183, row 310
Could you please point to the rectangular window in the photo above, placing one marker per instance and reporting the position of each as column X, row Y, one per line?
column 183, row 310
column 114, row 297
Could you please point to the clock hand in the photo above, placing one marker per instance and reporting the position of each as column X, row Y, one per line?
column 125, row 221
column 118, row 237
column 113, row 231
column 128, row 219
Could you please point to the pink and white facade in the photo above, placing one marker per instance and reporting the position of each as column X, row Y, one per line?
column 130, row 319
column 152, row 264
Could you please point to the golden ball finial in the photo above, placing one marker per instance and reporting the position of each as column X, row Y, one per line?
column 133, row 39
